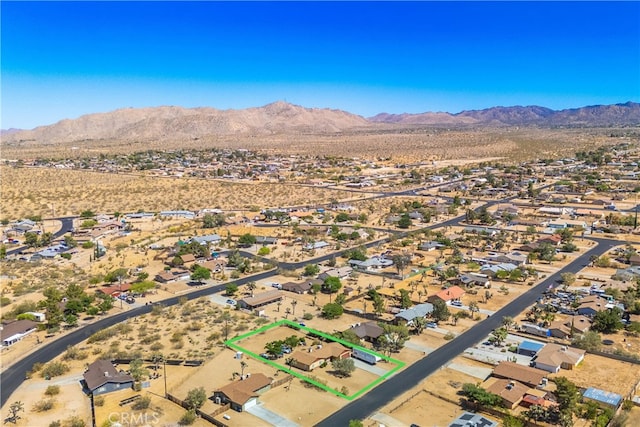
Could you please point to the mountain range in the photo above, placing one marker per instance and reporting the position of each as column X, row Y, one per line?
column 178, row 123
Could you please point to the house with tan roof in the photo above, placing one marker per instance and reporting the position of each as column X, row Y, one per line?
column 243, row 393
column 315, row 356
column 512, row 392
column 527, row 375
column 260, row 300
column 553, row 357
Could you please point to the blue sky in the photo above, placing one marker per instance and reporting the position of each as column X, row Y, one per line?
column 64, row 59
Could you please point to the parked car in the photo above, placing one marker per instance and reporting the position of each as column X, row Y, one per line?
column 231, row 302
column 432, row 325
column 456, row 303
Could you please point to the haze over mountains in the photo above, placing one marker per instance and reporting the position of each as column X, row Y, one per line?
column 177, row 123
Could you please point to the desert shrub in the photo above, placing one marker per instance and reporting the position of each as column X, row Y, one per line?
column 195, row 326
column 52, row 390
column 55, row 423
column 150, row 339
column 188, row 418
column 53, row 369
column 307, row 316
column 449, row 336
column 98, row 401
column 74, row 353
column 4, row 301
column 44, row 405
column 215, row 336
column 142, row 403
column 312, row 385
column 74, row 421
column 101, row 335
column 156, row 346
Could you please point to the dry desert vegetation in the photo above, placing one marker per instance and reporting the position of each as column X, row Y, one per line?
column 409, row 144
column 51, row 192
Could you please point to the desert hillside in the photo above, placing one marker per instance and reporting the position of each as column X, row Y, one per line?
column 177, row 123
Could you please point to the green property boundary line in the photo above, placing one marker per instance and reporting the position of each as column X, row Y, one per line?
column 232, row 344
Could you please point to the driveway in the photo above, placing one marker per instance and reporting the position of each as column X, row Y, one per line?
column 387, row 420
column 270, row 416
column 474, row 371
column 374, row 369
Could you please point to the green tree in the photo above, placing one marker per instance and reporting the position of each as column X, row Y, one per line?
column 607, row 321
column 343, row 367
column 213, row 221
column 70, row 241
column 355, row 423
column 116, row 275
column 332, row 311
column 349, row 336
column 590, row 341
column 395, row 336
column 404, row 221
column 566, row 394
column 137, row 370
column 87, row 214
column 440, row 311
column 498, row 336
column 479, row 396
column 331, row 285
column 251, row 286
column 200, row 274
column 196, row 397
column 246, row 240
column 31, row 239
column 274, row 347
column 405, row 299
column 311, row 270
column 473, row 308
column 231, row 289
column 401, row 261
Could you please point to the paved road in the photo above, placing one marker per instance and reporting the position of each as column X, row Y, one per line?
column 414, row 374
column 67, row 224
column 13, row 376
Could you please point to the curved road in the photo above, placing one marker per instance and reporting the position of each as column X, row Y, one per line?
column 393, row 387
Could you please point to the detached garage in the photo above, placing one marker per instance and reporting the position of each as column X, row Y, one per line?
column 529, row 348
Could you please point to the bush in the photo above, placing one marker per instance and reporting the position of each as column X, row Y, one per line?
column 74, row 353
column 142, row 403
column 52, row 390
column 307, row 316
column 449, row 336
column 54, row 369
column 188, row 418
column 44, row 405
column 98, row 401
column 74, row 421
column 55, row 423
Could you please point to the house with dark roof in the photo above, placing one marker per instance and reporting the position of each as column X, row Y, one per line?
column 244, row 393
column 298, row 288
column 13, row 332
column 102, row 377
column 368, row 331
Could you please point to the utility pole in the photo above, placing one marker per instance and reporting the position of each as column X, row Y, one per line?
column 164, row 365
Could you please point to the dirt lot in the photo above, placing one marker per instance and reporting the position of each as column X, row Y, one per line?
column 604, row 373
